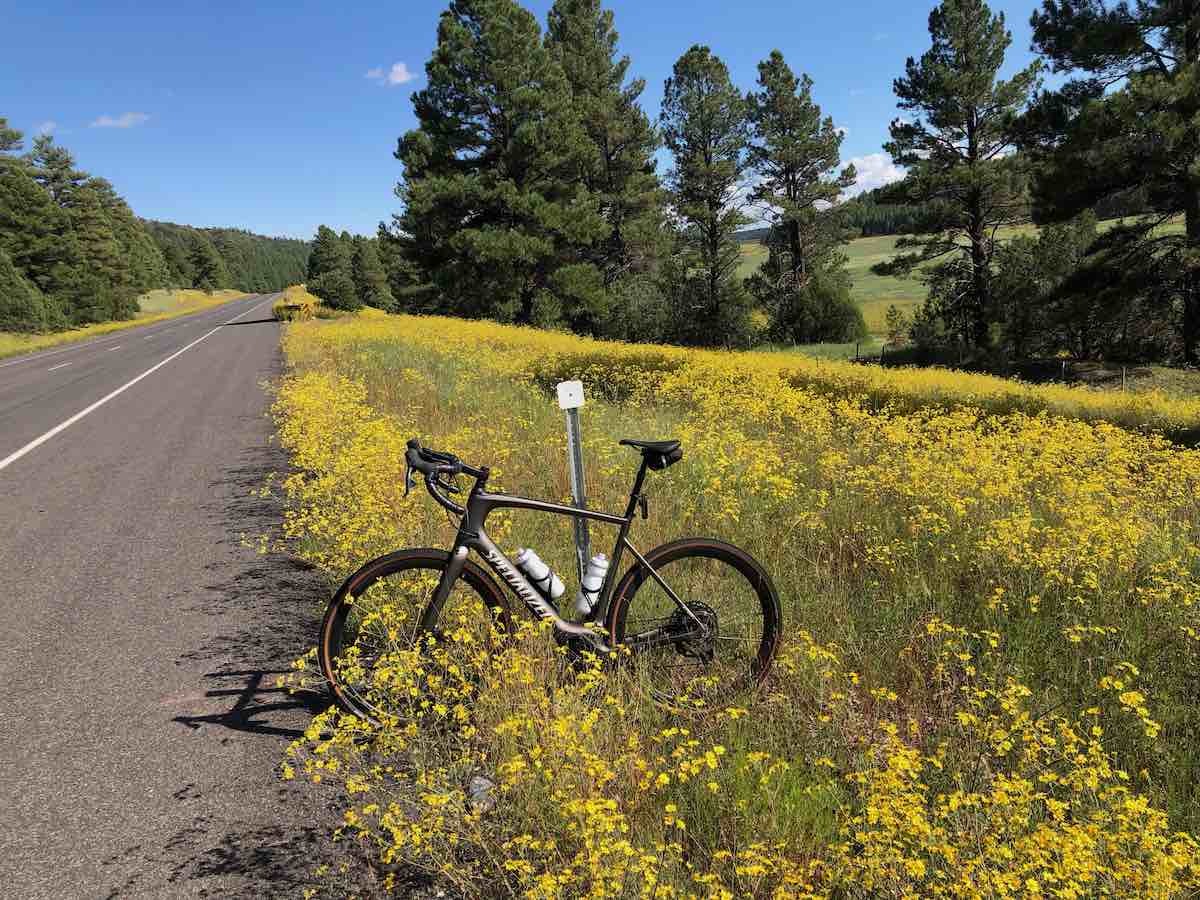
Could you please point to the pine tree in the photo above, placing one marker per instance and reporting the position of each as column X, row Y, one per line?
column 1129, row 126
column 329, row 253
column 208, row 269
column 704, row 126
column 494, row 211
column 36, row 233
column 620, row 170
column 22, row 306
column 794, row 151
column 331, row 270
column 56, row 170
column 142, row 262
column 33, row 230
column 956, row 150
column 103, row 259
column 254, row 261
column 336, row 290
column 370, row 280
column 403, row 275
column 10, row 138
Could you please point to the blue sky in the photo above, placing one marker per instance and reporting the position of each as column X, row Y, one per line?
column 278, row 117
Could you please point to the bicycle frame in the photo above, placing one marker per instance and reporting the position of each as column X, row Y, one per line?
column 472, row 535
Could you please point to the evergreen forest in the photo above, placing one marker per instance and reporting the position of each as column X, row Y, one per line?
column 73, row 253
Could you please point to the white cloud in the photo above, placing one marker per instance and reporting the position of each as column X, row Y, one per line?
column 873, row 170
column 397, row 74
column 125, row 120
column 46, row 127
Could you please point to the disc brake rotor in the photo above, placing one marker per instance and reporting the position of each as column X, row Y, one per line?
column 695, row 641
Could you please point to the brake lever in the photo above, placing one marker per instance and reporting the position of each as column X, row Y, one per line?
column 409, row 481
column 447, row 486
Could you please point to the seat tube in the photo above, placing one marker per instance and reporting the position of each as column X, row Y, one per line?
column 600, row 612
column 636, row 492
column 450, row 574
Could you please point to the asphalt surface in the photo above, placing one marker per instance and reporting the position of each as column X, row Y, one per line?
column 140, row 639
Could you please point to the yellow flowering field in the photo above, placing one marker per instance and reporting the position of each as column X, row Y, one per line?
column 987, row 682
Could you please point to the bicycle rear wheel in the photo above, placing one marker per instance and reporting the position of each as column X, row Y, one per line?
column 729, row 649
column 377, row 613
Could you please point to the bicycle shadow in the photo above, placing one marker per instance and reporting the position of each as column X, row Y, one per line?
column 249, row 712
column 267, row 607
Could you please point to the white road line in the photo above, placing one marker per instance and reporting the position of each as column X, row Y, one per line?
column 95, row 342
column 111, row 349
column 147, row 337
column 82, row 345
column 62, row 426
column 59, row 366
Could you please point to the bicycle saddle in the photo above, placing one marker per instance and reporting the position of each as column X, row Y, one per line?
column 658, row 454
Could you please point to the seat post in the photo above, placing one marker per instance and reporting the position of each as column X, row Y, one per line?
column 637, row 489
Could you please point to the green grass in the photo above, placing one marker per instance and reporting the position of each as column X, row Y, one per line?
column 868, row 347
column 875, row 293
column 1138, row 378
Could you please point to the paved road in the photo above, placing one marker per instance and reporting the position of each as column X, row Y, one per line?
column 139, row 638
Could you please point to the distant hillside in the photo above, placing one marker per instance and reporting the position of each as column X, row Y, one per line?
column 247, row 261
column 753, row 235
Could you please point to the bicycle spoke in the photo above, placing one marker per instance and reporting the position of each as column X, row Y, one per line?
column 714, row 650
column 383, row 620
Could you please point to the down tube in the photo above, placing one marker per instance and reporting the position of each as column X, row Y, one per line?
column 514, row 579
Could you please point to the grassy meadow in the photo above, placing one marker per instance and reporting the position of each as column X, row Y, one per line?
column 986, row 686
column 875, row 293
column 155, row 306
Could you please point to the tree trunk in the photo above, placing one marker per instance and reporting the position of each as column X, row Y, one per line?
column 979, row 289
column 797, row 252
column 978, row 308
column 714, row 254
column 1191, row 278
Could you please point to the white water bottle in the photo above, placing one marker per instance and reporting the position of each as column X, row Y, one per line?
column 539, row 574
column 589, row 587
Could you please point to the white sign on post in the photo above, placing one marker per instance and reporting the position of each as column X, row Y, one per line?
column 570, row 394
column 570, row 398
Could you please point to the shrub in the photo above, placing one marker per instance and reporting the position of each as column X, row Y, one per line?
column 822, row 311
column 296, row 304
column 22, row 306
column 336, row 289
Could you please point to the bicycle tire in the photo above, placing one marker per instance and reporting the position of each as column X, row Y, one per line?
column 332, row 639
column 736, row 569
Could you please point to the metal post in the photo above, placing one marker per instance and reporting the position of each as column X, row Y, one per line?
column 570, row 398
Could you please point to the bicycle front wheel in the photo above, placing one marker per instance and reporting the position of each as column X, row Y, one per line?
column 722, row 644
column 377, row 613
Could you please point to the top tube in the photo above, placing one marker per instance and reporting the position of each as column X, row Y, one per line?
column 486, row 502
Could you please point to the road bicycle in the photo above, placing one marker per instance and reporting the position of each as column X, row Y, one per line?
column 690, row 611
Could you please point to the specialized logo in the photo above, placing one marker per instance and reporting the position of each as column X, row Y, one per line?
column 531, row 597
